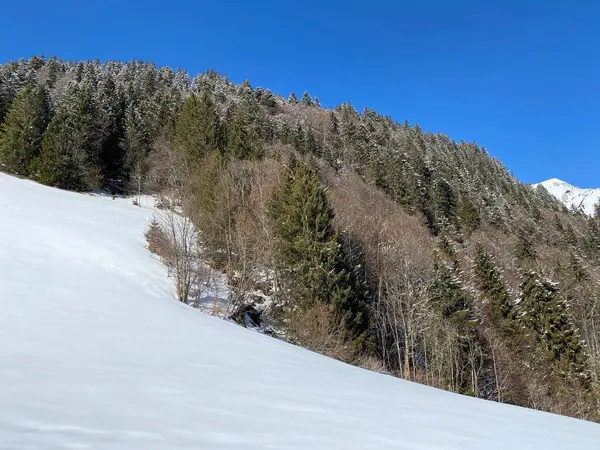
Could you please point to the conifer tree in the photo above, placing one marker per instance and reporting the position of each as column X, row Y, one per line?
column 73, row 142
column 445, row 202
column 197, row 130
column 21, row 133
column 577, row 268
column 525, row 250
column 58, row 165
column 446, row 292
column 311, row 258
column 239, row 137
column 298, row 139
column 269, row 101
column 310, row 142
column 469, row 217
column 489, row 280
column 292, row 99
column 306, row 99
column 447, row 295
column 543, row 311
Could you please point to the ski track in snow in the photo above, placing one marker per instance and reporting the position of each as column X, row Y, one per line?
column 95, row 353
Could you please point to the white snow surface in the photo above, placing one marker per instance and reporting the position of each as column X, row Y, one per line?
column 572, row 196
column 95, row 353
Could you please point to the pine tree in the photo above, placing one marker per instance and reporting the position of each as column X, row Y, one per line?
column 292, row 99
column 21, row 133
column 311, row 258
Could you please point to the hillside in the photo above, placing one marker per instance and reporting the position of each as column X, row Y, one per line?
column 98, row 354
column 572, row 196
column 372, row 241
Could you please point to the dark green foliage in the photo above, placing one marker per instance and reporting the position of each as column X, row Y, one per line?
column 444, row 203
column 489, row 280
column 111, row 104
column 545, row 312
column 242, row 142
column 311, row 258
column 269, row 101
column 445, row 246
column 310, row 143
column 422, row 198
column 447, row 293
column 591, row 240
column 577, row 269
column 469, row 217
column 525, row 250
column 292, row 99
column 208, row 212
column 306, row 99
column 197, row 130
column 72, row 144
column 57, row 165
column 21, row 133
column 298, row 139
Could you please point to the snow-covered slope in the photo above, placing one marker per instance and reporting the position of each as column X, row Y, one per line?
column 95, row 353
column 572, row 196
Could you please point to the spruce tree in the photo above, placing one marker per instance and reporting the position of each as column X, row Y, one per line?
column 239, row 138
column 306, row 99
column 57, row 165
column 445, row 203
column 72, row 143
column 197, row 130
column 489, row 280
column 312, row 262
column 310, row 142
column 525, row 250
column 111, row 104
column 21, row 133
column 544, row 311
column 447, row 293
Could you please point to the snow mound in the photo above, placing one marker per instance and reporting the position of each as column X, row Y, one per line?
column 95, row 353
column 572, row 196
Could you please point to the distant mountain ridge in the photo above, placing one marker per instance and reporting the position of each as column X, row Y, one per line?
column 572, row 196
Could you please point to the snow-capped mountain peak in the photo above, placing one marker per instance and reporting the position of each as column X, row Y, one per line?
column 572, row 196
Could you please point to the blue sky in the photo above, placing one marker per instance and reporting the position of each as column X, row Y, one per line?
column 521, row 78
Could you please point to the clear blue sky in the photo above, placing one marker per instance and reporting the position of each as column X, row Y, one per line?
column 521, row 78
